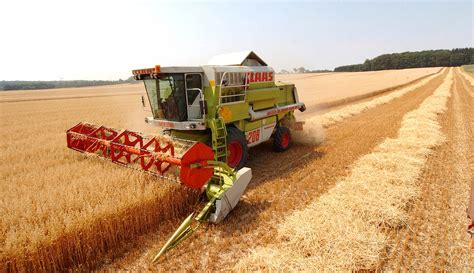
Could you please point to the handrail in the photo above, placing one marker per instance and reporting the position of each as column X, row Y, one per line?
column 221, row 86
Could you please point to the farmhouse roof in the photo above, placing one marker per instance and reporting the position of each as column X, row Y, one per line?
column 243, row 58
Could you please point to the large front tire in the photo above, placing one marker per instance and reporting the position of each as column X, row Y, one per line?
column 237, row 149
column 281, row 139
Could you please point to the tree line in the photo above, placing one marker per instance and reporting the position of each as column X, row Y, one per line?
column 33, row 85
column 300, row 70
column 426, row 58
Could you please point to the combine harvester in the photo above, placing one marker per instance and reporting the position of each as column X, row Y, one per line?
column 210, row 116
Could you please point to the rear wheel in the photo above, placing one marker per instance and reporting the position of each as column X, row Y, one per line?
column 237, row 149
column 281, row 139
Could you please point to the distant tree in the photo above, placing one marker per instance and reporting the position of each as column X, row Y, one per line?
column 427, row 58
column 318, row 71
column 300, row 70
column 32, row 85
column 457, row 59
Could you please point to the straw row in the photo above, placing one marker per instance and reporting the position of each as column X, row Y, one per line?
column 345, row 228
column 469, row 78
column 313, row 133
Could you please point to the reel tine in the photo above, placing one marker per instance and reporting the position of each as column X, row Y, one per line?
column 159, row 155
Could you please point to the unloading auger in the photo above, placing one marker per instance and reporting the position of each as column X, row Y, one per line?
column 187, row 162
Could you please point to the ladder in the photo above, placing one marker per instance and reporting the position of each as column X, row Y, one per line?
column 219, row 138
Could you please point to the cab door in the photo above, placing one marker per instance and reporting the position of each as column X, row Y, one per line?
column 194, row 95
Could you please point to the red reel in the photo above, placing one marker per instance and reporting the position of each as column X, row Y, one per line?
column 151, row 154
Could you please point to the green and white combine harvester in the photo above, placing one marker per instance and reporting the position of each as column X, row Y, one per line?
column 210, row 116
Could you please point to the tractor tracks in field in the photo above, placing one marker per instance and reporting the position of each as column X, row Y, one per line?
column 281, row 184
column 435, row 238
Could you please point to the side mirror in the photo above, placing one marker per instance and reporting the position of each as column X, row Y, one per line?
column 203, row 107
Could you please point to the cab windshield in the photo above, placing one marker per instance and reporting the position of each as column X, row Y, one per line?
column 167, row 97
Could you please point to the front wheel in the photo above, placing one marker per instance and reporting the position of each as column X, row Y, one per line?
column 281, row 139
column 237, row 149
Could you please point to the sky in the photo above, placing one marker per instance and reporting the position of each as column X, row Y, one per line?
column 105, row 40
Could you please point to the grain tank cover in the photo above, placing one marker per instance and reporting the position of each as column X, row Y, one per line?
column 244, row 58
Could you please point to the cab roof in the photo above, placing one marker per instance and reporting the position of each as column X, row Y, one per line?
column 181, row 69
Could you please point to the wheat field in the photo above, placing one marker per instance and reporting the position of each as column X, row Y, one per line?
column 62, row 210
column 52, row 195
column 318, row 90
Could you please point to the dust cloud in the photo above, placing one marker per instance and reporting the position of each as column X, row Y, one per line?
column 312, row 133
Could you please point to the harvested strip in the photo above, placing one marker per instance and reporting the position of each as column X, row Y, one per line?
column 344, row 229
column 469, row 78
column 335, row 116
column 364, row 96
column 313, row 132
column 437, row 239
column 336, row 89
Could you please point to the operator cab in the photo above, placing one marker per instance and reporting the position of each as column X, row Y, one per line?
column 175, row 94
